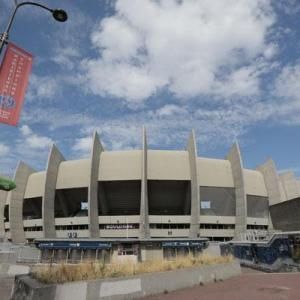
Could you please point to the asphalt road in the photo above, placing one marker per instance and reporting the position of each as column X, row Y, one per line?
column 251, row 285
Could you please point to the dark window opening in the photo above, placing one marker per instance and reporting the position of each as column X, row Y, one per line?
column 257, row 206
column 6, row 213
column 32, row 208
column 71, row 203
column 169, row 226
column 217, row 226
column 169, row 197
column 72, row 227
column 217, row 201
column 33, row 228
column 257, row 227
column 219, row 239
column 117, row 198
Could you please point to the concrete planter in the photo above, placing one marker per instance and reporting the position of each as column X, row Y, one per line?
column 124, row 288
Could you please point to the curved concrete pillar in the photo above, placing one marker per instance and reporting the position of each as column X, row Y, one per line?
column 268, row 169
column 54, row 160
column 290, row 185
column 195, row 190
column 3, row 196
column 144, row 207
column 97, row 149
column 16, row 198
column 235, row 159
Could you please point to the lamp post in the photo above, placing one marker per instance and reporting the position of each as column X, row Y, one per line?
column 58, row 14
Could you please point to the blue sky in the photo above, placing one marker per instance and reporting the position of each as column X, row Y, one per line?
column 228, row 69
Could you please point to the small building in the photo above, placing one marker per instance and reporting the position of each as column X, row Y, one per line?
column 107, row 250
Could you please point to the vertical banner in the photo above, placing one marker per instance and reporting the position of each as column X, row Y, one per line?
column 14, row 75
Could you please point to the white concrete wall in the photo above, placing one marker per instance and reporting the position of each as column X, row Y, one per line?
column 32, row 223
column 290, row 185
column 35, row 185
column 217, row 220
column 254, row 183
column 168, row 165
column 80, row 233
column 119, row 233
column 120, row 165
column 165, row 233
column 73, row 174
column 169, row 219
column 70, row 221
column 34, row 234
column 282, row 192
column 257, row 221
column 217, row 232
column 214, row 172
column 119, row 219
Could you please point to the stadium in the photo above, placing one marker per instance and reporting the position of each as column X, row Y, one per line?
column 145, row 198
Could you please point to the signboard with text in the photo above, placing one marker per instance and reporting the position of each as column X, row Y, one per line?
column 14, row 74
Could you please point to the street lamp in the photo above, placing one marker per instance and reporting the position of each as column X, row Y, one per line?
column 58, row 14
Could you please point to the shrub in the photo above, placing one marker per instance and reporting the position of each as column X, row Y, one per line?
column 60, row 273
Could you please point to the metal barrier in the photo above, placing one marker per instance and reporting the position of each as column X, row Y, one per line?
column 281, row 249
column 28, row 254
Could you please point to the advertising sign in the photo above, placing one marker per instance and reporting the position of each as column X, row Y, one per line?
column 14, row 74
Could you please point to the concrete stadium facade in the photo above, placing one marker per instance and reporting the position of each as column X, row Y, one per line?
column 143, row 194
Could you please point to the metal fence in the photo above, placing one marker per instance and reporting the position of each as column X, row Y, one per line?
column 28, row 254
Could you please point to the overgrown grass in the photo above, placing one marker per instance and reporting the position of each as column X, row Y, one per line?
column 60, row 273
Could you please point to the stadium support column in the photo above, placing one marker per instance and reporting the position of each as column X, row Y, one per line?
column 15, row 198
column 144, row 208
column 235, row 159
column 290, row 185
column 97, row 149
column 268, row 169
column 48, row 208
column 3, row 196
column 195, row 191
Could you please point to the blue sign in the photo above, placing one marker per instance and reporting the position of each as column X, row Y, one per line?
column 183, row 244
column 73, row 245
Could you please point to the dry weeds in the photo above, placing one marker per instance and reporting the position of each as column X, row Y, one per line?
column 60, row 273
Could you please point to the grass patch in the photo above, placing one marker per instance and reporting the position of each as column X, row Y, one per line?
column 60, row 273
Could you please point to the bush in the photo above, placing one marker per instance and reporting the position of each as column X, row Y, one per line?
column 60, row 273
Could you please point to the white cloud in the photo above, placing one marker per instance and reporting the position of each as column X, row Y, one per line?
column 288, row 82
column 4, row 149
column 286, row 106
column 170, row 110
column 25, row 130
column 83, row 146
column 43, row 87
column 190, row 47
column 66, row 57
column 33, row 140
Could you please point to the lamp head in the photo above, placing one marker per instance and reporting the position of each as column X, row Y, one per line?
column 59, row 15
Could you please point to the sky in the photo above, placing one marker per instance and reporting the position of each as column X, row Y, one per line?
column 230, row 70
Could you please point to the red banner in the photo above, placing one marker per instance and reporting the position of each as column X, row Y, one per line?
column 14, row 74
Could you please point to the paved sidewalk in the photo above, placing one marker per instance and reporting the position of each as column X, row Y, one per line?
column 251, row 285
